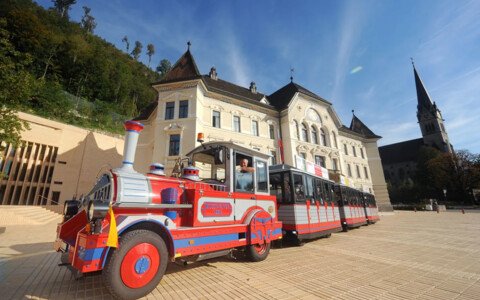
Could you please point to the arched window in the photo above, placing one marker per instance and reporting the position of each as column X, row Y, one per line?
column 304, row 133
column 295, row 130
column 314, row 135
column 323, row 137
column 334, row 139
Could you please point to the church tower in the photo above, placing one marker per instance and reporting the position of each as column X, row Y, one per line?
column 430, row 119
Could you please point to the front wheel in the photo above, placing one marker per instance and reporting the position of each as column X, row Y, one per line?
column 258, row 252
column 137, row 266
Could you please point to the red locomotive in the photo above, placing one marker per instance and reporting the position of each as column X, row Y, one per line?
column 130, row 225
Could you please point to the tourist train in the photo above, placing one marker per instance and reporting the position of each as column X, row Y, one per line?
column 226, row 197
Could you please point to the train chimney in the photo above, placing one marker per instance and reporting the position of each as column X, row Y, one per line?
column 132, row 131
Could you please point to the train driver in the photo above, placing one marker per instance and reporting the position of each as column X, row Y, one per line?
column 244, row 176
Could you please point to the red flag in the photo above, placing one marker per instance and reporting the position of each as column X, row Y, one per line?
column 280, row 144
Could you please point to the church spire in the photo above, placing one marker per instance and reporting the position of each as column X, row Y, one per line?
column 423, row 97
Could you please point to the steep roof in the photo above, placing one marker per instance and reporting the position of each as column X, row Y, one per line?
column 232, row 90
column 400, row 152
column 184, row 68
column 422, row 95
column 357, row 126
column 281, row 98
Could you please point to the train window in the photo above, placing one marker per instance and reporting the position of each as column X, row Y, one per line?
column 276, row 183
column 309, row 191
column 287, row 196
column 244, row 174
column 328, row 197
column 319, row 193
column 280, row 187
column 299, row 186
column 261, row 173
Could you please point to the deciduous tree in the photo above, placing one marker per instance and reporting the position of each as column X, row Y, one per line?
column 88, row 21
column 63, row 6
column 137, row 50
column 150, row 52
column 164, row 66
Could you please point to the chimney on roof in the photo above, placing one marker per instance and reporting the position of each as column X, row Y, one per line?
column 213, row 73
column 253, row 88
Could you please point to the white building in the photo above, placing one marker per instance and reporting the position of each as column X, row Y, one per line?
column 189, row 103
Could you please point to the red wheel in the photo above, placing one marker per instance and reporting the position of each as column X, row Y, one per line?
column 261, row 249
column 136, row 267
column 258, row 252
column 139, row 265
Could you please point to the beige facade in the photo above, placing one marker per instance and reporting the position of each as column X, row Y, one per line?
column 308, row 125
column 57, row 162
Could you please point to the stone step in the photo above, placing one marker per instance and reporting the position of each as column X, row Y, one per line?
column 26, row 215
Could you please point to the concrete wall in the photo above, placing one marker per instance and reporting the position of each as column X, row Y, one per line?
column 81, row 155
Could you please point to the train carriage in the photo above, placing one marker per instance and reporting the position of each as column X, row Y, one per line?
column 351, row 206
column 307, row 205
column 130, row 225
column 371, row 209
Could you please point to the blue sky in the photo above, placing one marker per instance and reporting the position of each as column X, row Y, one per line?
column 355, row 54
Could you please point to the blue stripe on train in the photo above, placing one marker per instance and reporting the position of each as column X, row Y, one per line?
column 89, row 254
column 200, row 241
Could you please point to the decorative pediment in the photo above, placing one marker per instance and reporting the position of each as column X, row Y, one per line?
column 217, row 107
column 254, row 117
column 237, row 113
column 271, row 122
column 174, row 127
column 302, row 148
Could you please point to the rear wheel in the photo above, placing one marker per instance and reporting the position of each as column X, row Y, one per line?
column 137, row 266
column 258, row 252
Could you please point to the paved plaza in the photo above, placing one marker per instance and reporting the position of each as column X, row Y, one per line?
column 407, row 255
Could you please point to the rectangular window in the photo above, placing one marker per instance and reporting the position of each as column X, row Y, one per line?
column 303, row 155
column 271, row 130
column 334, row 164
column 183, row 111
column 366, row 172
column 320, row 160
column 216, row 119
column 55, row 198
column 236, row 124
column 361, row 153
column 353, row 151
column 299, row 188
column 273, row 159
column 345, row 149
column 255, row 128
column 174, row 149
column 358, row 171
column 349, row 170
column 261, row 172
column 169, row 110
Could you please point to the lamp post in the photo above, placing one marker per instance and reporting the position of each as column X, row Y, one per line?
column 445, row 194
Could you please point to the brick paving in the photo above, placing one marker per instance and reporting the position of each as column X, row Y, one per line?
column 408, row 255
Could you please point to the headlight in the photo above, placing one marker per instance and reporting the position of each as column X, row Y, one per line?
column 70, row 208
column 97, row 210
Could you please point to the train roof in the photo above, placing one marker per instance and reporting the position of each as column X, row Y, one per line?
column 230, row 145
column 284, row 167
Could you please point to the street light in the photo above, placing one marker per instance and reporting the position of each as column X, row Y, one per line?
column 445, row 194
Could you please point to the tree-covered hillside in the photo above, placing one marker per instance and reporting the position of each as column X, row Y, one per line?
column 73, row 75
